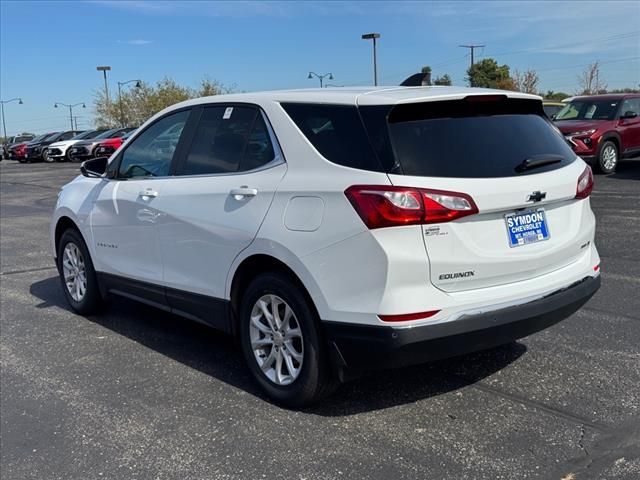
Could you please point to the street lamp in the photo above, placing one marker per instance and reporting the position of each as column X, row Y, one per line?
column 55, row 105
column 320, row 77
column 104, row 69
column 373, row 36
column 4, row 123
column 120, row 84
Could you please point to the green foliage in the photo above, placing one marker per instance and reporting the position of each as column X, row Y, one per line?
column 555, row 96
column 426, row 69
column 138, row 104
column 443, row 80
column 488, row 74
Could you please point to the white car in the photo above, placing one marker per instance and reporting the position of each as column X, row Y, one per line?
column 336, row 231
column 59, row 151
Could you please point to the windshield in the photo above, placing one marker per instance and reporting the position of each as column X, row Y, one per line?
column 107, row 133
column 39, row 138
column 89, row 134
column 589, row 110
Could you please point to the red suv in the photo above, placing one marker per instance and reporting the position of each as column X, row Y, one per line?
column 602, row 129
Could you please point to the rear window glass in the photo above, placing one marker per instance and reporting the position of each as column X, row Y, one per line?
column 474, row 139
column 336, row 132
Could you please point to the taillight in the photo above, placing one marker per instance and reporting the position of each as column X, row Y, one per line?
column 389, row 206
column 585, row 183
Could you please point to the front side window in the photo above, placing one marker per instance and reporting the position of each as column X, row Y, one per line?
column 589, row 110
column 228, row 140
column 151, row 153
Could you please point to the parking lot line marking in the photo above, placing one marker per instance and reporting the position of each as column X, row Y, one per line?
column 483, row 387
column 28, row 270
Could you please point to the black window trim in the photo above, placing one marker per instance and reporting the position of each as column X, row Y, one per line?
column 181, row 157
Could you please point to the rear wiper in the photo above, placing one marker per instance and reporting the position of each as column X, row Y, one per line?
column 538, row 161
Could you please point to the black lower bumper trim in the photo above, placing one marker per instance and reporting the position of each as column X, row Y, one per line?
column 365, row 347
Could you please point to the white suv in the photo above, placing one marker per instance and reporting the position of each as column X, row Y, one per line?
column 335, row 231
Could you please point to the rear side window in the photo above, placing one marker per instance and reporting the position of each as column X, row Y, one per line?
column 336, row 132
column 228, row 140
column 473, row 139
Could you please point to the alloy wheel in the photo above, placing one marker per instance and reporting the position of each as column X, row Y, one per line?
column 609, row 157
column 276, row 339
column 74, row 271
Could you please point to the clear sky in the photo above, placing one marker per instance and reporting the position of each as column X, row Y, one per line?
column 49, row 50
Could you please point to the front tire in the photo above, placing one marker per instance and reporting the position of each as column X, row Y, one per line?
column 608, row 157
column 282, row 342
column 78, row 277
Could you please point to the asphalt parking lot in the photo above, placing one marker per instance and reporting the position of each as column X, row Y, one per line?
column 136, row 393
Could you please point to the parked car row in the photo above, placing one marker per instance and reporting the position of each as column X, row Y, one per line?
column 70, row 145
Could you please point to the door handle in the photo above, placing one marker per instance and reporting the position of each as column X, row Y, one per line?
column 148, row 193
column 243, row 192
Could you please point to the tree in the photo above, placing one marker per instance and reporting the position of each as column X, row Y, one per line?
column 443, row 80
column 426, row 69
column 488, row 74
column 526, row 82
column 136, row 105
column 555, row 96
column 589, row 80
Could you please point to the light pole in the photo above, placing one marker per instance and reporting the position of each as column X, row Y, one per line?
column 104, row 69
column 373, row 36
column 4, row 123
column 320, row 77
column 55, row 105
column 120, row 84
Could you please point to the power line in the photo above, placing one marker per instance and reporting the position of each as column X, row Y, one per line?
column 472, row 48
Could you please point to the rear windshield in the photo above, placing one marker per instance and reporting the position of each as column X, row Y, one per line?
column 475, row 139
column 459, row 139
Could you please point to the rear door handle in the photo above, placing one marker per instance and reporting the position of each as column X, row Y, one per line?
column 148, row 193
column 243, row 192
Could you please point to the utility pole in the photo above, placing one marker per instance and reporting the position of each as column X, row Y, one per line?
column 55, row 105
column 472, row 48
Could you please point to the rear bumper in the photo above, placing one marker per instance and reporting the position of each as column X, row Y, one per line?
column 365, row 347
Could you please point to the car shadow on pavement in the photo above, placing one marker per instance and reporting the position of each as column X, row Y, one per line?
column 217, row 354
column 627, row 170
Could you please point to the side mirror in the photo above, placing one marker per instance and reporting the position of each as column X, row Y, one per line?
column 629, row 114
column 95, row 167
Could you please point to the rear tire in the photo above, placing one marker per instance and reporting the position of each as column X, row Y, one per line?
column 608, row 157
column 77, row 275
column 45, row 156
column 295, row 367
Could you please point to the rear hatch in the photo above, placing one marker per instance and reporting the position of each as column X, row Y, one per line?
column 504, row 163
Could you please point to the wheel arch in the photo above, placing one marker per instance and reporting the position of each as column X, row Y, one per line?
column 611, row 137
column 254, row 264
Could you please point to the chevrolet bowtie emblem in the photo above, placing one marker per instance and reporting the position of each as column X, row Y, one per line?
column 537, row 196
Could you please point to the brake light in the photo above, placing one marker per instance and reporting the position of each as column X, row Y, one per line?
column 388, row 206
column 408, row 316
column 585, row 183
